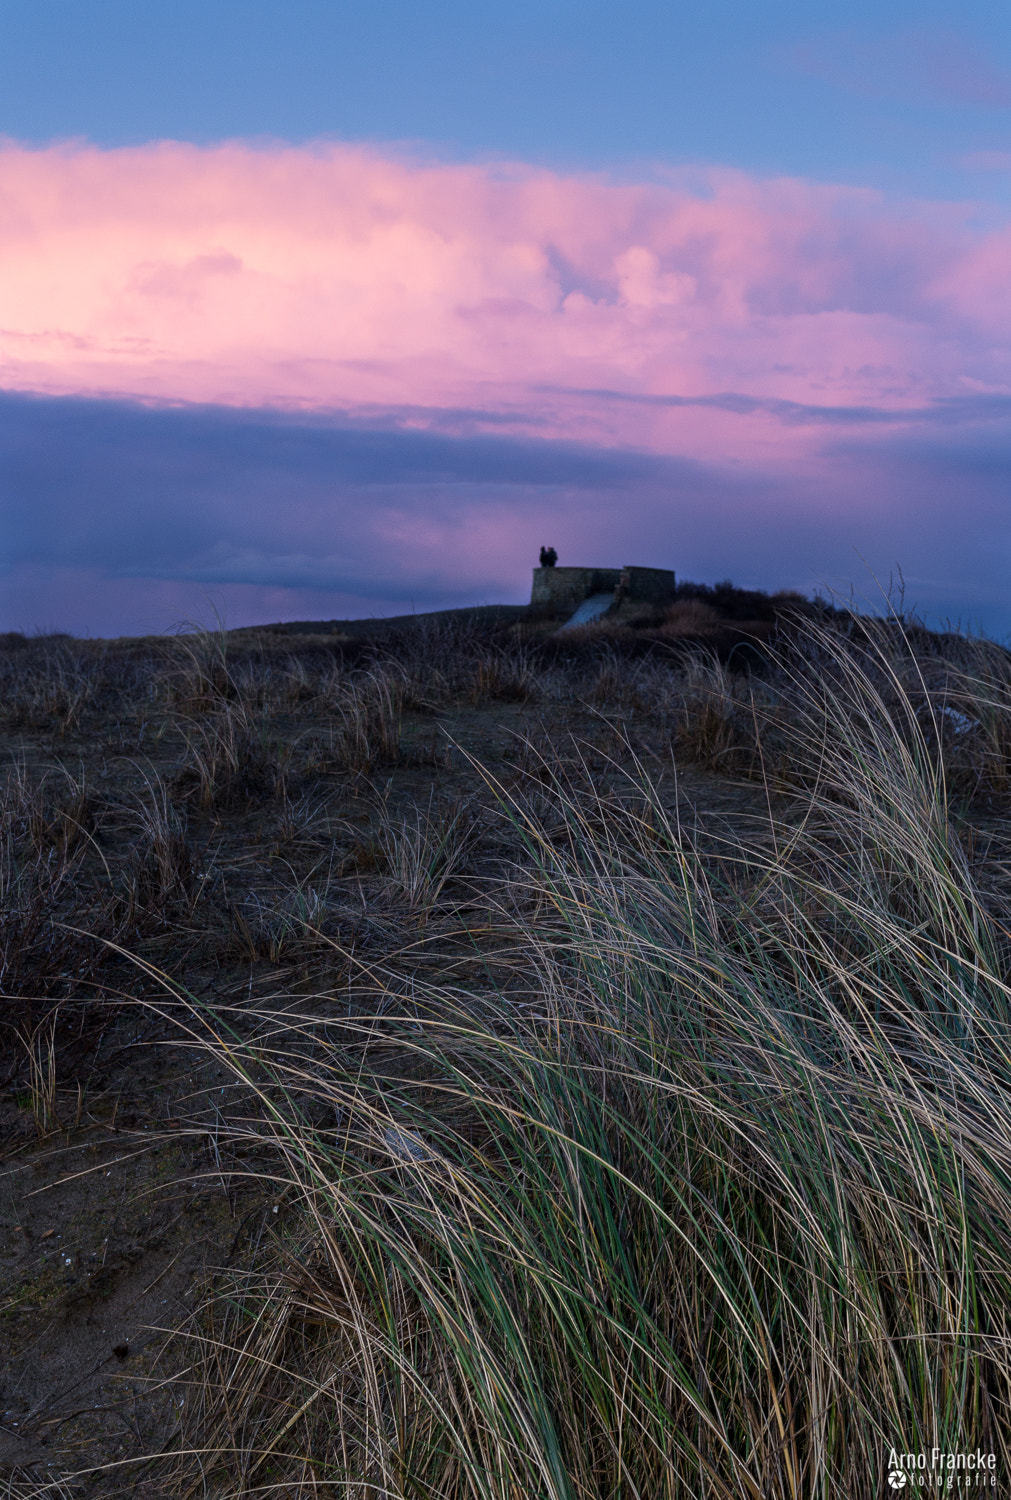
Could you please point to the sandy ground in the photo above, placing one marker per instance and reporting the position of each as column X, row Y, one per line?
column 117, row 1208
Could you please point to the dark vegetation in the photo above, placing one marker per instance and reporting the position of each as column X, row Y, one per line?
column 505, row 1063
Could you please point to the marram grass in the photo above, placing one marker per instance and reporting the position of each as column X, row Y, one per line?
column 718, row 1206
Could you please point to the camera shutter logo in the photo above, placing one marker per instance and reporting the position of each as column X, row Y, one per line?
column 897, row 1478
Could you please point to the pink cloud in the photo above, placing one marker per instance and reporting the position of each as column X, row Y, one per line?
column 915, row 63
column 342, row 277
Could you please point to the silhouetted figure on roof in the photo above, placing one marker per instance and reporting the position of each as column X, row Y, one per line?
column 548, row 557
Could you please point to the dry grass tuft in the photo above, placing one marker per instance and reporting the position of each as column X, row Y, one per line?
column 719, row 1206
column 593, row 1147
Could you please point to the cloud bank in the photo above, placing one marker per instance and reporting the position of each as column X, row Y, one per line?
column 334, row 375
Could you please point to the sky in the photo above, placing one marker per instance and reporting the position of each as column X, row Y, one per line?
column 320, row 310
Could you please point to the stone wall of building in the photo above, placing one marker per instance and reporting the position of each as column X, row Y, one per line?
column 646, row 586
column 561, row 589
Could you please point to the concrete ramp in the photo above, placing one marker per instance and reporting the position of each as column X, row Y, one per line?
column 591, row 609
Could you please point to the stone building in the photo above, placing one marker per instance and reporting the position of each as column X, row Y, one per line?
column 562, row 591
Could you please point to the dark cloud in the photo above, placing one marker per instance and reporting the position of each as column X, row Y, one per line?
column 117, row 516
column 373, row 446
column 220, row 494
column 942, row 411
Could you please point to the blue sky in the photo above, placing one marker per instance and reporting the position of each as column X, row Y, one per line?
column 890, row 93
column 420, row 286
